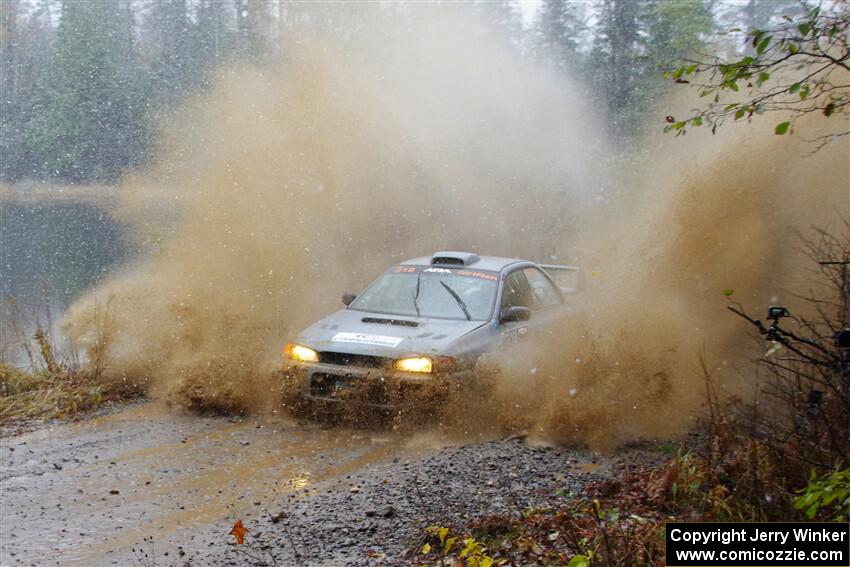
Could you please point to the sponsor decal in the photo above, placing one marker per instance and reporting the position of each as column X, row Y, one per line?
column 482, row 275
column 489, row 276
column 364, row 339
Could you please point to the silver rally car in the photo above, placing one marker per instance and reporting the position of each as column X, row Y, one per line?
column 421, row 326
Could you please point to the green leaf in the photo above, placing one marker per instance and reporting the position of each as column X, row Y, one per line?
column 579, row 561
column 763, row 77
column 804, row 91
column 804, row 501
column 730, row 107
column 793, row 47
column 794, row 88
column 763, row 44
column 728, row 292
column 782, row 128
column 448, row 544
column 812, row 511
column 697, row 121
column 804, row 28
column 740, row 113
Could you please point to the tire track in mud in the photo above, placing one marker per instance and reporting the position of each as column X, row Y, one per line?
column 88, row 493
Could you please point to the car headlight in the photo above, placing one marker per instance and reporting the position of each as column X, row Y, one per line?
column 415, row 364
column 300, row 353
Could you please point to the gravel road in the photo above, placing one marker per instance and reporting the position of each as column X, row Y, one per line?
column 145, row 486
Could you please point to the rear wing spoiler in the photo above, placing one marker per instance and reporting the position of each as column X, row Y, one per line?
column 569, row 278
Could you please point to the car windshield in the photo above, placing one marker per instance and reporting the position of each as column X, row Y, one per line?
column 420, row 291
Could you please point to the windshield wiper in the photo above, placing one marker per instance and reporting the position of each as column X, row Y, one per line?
column 416, row 293
column 458, row 299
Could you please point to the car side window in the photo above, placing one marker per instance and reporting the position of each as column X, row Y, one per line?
column 516, row 292
column 546, row 296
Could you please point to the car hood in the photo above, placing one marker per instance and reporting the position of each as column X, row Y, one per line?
column 376, row 334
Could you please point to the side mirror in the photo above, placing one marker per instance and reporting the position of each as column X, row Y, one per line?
column 515, row 314
column 347, row 298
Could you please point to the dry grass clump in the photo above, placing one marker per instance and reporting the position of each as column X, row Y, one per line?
column 45, row 395
column 56, row 382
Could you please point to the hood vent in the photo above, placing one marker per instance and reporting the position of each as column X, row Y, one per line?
column 399, row 322
column 454, row 258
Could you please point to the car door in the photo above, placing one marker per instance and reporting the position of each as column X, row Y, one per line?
column 548, row 302
column 515, row 292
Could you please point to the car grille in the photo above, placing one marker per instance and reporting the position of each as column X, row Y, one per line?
column 361, row 360
column 322, row 385
column 335, row 387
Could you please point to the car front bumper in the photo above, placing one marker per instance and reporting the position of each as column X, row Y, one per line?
column 371, row 387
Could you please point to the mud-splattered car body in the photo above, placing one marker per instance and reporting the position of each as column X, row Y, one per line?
column 421, row 328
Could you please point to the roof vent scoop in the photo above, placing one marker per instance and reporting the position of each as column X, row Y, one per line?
column 454, row 258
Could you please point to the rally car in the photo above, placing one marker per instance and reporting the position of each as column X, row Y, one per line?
column 425, row 322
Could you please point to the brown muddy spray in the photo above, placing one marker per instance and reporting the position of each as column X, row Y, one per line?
column 293, row 182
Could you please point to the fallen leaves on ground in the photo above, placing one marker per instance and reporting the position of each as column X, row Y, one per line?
column 239, row 531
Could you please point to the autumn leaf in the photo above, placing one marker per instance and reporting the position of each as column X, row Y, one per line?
column 239, row 532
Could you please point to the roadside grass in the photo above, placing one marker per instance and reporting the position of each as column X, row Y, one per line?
column 48, row 395
column 734, row 469
column 56, row 383
column 620, row 520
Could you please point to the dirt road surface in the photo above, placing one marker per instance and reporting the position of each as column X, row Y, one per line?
column 145, row 486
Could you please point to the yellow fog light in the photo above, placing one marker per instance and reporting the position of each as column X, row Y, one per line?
column 414, row 364
column 300, row 353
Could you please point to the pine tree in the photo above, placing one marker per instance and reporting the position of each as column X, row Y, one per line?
column 87, row 126
column 173, row 50
column 633, row 41
column 215, row 34
column 615, row 52
column 25, row 49
column 252, row 27
column 558, row 33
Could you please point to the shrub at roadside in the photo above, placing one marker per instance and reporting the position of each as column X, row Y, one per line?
column 786, row 457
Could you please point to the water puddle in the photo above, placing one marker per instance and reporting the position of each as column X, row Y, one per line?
column 147, row 473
